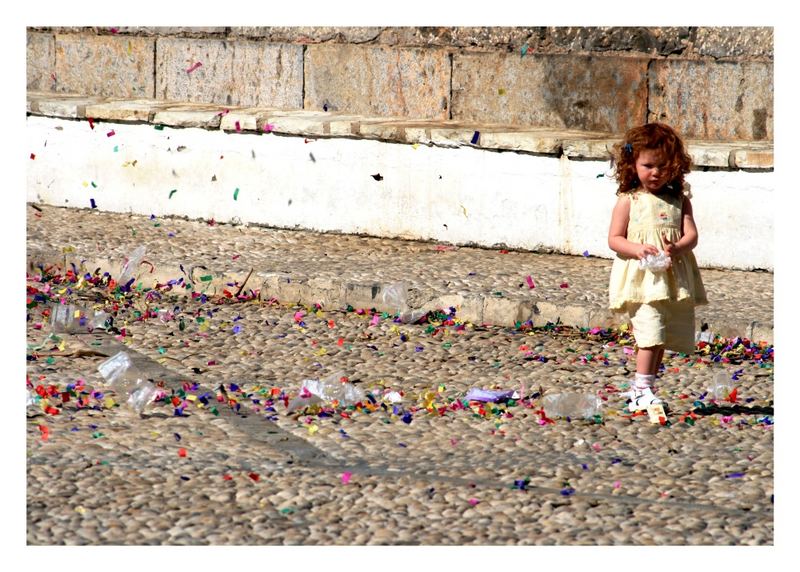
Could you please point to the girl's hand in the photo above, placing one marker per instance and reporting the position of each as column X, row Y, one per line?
column 643, row 250
column 669, row 247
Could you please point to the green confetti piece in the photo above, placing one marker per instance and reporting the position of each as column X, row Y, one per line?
column 172, row 192
column 50, row 360
column 97, row 435
column 447, row 345
column 162, row 351
column 214, row 411
column 236, row 194
column 93, row 185
column 159, row 127
column 200, row 319
column 287, row 510
column 206, row 278
column 524, row 50
column 116, row 148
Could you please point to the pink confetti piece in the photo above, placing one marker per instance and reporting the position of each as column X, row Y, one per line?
column 298, row 316
column 111, row 133
column 375, row 319
column 597, row 447
column 473, row 501
column 194, row 67
column 268, row 127
column 628, row 351
column 223, row 112
column 237, row 126
column 530, row 282
column 617, row 484
column 564, row 285
column 114, row 30
column 346, row 477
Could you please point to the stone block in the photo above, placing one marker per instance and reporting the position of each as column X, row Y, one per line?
column 308, row 34
column 125, row 110
column 705, row 154
column 190, row 115
column 753, row 158
column 735, row 41
column 309, row 122
column 606, row 94
column 505, row 312
column 70, row 105
column 239, row 73
column 113, row 66
column 713, row 100
column 40, row 61
column 377, row 81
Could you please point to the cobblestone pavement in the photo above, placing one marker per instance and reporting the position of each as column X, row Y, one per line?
column 220, row 459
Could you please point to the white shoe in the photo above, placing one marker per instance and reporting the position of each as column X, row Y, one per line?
column 642, row 398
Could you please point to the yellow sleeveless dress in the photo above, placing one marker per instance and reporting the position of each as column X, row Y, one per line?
column 650, row 215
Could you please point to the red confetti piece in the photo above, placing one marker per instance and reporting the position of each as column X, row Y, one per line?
column 194, row 67
column 254, row 476
column 238, row 127
column 504, row 251
column 564, row 285
column 181, row 452
column 235, row 256
column 33, row 156
column 111, row 133
column 91, row 122
column 114, row 30
column 45, row 431
column 227, row 478
column 331, row 324
column 340, row 342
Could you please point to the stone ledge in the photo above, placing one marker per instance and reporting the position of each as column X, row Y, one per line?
column 446, row 133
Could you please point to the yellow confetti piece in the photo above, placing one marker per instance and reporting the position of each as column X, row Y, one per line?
column 312, row 429
column 62, row 345
column 320, row 352
column 80, row 509
column 77, row 314
column 414, row 146
column 85, row 184
column 154, row 434
column 191, row 398
column 109, row 403
column 62, row 290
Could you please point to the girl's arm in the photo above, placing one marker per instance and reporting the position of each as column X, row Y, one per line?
column 618, row 233
column 689, row 233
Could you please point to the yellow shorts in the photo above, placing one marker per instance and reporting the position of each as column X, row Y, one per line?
column 664, row 323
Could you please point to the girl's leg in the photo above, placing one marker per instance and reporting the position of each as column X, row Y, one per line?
column 648, row 360
column 659, row 357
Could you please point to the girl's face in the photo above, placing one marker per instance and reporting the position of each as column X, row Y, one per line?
column 650, row 169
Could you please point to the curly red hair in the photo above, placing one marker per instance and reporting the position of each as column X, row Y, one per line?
column 654, row 136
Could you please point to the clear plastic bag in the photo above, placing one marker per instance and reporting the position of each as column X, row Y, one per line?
column 70, row 318
column 573, row 405
column 131, row 264
column 328, row 390
column 655, row 262
column 395, row 298
column 143, row 393
column 721, row 386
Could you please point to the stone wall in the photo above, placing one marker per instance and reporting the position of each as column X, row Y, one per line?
column 710, row 83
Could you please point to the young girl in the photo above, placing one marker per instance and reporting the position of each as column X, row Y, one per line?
column 653, row 213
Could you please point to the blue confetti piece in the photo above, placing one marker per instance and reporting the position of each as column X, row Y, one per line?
column 402, row 445
column 567, row 492
column 734, row 476
column 177, row 436
column 237, row 328
column 91, row 202
column 407, row 418
column 475, row 137
column 586, row 253
column 234, row 387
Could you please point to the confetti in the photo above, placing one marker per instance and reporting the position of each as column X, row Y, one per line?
column 346, row 477
column 530, row 282
column 236, row 194
column 172, row 192
column 111, row 133
column 194, row 67
column 475, row 137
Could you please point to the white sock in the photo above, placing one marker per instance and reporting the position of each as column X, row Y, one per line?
column 643, row 381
